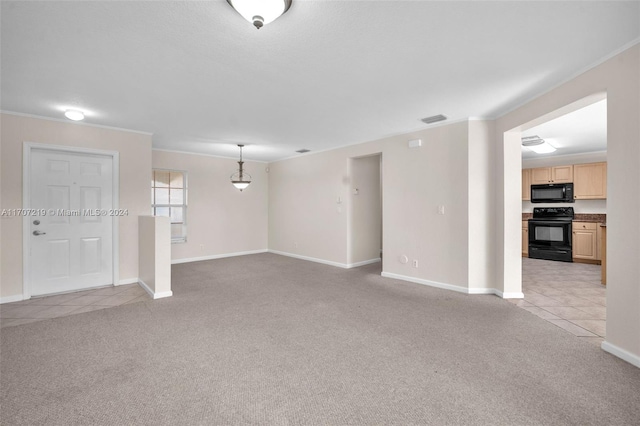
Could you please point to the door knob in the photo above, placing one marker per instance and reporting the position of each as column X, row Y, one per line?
column 36, row 233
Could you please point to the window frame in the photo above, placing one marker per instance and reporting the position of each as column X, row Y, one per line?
column 184, row 205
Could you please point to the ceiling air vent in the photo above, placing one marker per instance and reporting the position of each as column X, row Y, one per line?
column 434, row 119
column 302, row 151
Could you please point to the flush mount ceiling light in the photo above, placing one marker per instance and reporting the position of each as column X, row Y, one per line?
column 537, row 145
column 240, row 179
column 74, row 115
column 260, row 12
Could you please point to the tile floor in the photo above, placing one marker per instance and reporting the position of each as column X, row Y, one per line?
column 41, row 308
column 569, row 295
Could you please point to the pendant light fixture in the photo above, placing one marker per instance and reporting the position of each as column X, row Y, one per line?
column 240, row 179
column 260, row 12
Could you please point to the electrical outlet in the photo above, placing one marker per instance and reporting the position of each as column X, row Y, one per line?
column 440, row 209
column 415, row 263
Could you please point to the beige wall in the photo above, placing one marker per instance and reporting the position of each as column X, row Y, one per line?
column 154, row 257
column 365, row 210
column 221, row 220
column 135, row 163
column 481, row 205
column 619, row 77
column 305, row 219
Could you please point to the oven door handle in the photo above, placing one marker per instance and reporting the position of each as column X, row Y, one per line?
column 549, row 222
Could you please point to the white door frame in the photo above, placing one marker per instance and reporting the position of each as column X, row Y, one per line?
column 26, row 202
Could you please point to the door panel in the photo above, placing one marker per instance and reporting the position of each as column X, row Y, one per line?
column 73, row 249
column 58, row 198
column 90, row 254
column 60, row 255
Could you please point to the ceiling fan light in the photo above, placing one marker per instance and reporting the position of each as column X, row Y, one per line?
column 260, row 12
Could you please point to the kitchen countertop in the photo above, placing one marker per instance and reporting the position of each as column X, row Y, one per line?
column 590, row 217
column 579, row 217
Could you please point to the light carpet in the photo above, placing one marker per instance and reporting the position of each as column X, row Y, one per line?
column 269, row 340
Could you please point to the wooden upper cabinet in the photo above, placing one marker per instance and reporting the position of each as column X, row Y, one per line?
column 562, row 174
column 590, row 181
column 541, row 175
column 526, row 184
column 558, row 174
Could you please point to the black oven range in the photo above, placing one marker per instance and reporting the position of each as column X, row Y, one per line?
column 550, row 233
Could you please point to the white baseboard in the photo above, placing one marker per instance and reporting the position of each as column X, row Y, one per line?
column 163, row 294
column 310, row 259
column 436, row 284
column 621, row 353
column 217, row 256
column 509, row 295
column 364, row 262
column 9, row 299
column 145, row 287
column 127, row 281
column 452, row 287
column 152, row 293
column 481, row 291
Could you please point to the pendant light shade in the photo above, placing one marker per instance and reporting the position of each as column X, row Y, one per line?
column 240, row 179
column 260, row 12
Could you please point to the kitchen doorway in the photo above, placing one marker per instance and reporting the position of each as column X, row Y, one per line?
column 572, row 145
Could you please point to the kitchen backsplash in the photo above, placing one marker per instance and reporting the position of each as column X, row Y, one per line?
column 580, row 206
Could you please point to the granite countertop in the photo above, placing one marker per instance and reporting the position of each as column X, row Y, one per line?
column 590, row 217
column 579, row 217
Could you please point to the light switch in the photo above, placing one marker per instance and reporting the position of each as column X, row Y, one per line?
column 440, row 209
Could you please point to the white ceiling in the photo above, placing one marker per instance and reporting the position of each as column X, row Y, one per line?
column 578, row 132
column 326, row 74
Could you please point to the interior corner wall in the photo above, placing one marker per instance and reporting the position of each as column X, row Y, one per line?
column 135, row 166
column 618, row 77
column 221, row 220
column 2, row 218
column 306, row 220
column 481, row 204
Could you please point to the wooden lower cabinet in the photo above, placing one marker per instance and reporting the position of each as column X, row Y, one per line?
column 525, row 238
column 585, row 241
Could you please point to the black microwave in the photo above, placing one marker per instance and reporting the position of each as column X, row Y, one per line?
column 552, row 193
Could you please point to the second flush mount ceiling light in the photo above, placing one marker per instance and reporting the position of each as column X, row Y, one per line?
column 260, row 12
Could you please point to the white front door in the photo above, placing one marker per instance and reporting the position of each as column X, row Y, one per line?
column 71, row 242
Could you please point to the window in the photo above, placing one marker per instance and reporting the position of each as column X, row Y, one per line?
column 169, row 198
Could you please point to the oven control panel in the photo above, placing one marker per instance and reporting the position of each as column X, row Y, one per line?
column 548, row 212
